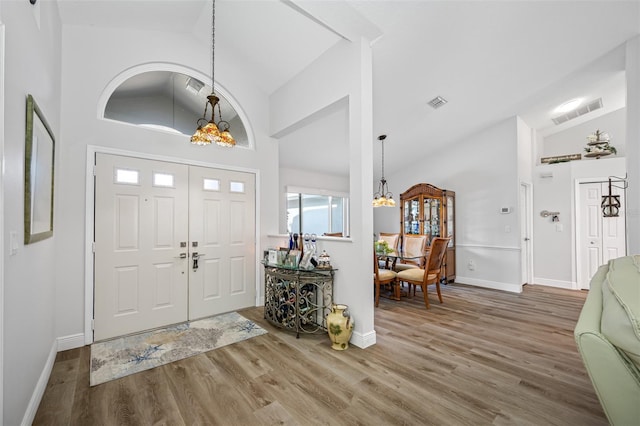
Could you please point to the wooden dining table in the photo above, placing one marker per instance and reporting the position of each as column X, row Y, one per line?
column 392, row 258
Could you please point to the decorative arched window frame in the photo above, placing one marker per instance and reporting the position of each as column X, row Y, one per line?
column 163, row 66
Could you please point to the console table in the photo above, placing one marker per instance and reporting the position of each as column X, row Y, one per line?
column 297, row 299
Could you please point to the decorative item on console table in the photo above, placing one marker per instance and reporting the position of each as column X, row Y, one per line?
column 324, row 260
column 340, row 327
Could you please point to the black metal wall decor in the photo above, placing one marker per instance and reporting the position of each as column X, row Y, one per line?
column 611, row 203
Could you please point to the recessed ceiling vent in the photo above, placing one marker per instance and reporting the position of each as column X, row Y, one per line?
column 591, row 106
column 437, row 102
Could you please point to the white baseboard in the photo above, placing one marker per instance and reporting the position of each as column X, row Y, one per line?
column 70, row 342
column 363, row 340
column 514, row 288
column 555, row 283
column 36, row 397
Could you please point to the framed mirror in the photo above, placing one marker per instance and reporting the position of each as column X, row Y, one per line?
column 38, row 175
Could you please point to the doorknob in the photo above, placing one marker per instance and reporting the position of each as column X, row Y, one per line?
column 182, row 256
column 527, row 238
column 195, row 256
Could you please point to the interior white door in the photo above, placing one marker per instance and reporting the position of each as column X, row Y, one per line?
column 222, row 233
column 600, row 238
column 141, row 219
column 525, row 234
column 614, row 241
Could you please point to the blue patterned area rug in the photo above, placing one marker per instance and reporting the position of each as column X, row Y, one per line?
column 131, row 354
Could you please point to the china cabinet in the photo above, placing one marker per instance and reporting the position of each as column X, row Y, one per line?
column 428, row 210
column 298, row 299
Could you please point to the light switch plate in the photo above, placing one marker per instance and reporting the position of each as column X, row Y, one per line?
column 13, row 243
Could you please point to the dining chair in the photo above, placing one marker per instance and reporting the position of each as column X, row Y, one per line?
column 431, row 272
column 383, row 277
column 413, row 245
column 391, row 239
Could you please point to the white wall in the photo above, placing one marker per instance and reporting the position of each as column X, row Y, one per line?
column 32, row 67
column 2, row 239
column 633, row 146
column 482, row 171
column 346, row 72
column 554, row 243
column 574, row 139
column 92, row 58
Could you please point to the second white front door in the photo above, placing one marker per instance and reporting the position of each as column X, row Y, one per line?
column 173, row 242
column 221, row 232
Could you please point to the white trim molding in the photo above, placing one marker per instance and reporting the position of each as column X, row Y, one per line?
column 495, row 285
column 164, row 66
column 484, row 246
column 569, row 285
column 40, row 387
column 70, row 342
column 363, row 340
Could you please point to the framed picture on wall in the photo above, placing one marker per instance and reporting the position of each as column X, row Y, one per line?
column 39, row 158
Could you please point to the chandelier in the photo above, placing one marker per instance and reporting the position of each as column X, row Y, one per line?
column 208, row 130
column 383, row 198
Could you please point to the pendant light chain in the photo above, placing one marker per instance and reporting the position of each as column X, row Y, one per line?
column 213, row 42
column 209, row 131
column 383, row 159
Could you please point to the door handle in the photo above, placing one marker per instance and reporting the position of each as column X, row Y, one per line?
column 527, row 238
column 182, row 256
column 195, row 256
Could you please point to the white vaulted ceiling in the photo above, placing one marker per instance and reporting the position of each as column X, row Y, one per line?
column 490, row 59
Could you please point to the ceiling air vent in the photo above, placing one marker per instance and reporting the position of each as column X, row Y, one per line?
column 437, row 102
column 591, row 106
column 194, row 86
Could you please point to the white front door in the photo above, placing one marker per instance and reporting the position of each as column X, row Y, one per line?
column 600, row 238
column 141, row 218
column 172, row 242
column 222, row 233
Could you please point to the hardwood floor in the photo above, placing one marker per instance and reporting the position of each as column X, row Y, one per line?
column 483, row 357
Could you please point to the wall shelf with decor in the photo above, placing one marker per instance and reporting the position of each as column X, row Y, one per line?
column 429, row 210
column 598, row 145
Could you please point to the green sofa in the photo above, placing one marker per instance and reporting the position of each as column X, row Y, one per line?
column 608, row 338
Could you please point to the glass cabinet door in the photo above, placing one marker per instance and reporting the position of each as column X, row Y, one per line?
column 431, row 211
column 411, row 216
column 450, row 217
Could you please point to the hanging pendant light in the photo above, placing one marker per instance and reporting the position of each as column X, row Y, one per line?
column 208, row 131
column 383, row 198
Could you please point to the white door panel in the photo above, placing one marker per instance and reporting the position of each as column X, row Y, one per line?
column 599, row 238
column 140, row 280
column 222, row 223
column 144, row 210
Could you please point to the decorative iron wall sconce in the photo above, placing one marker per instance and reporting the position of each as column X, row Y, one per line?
column 611, row 203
